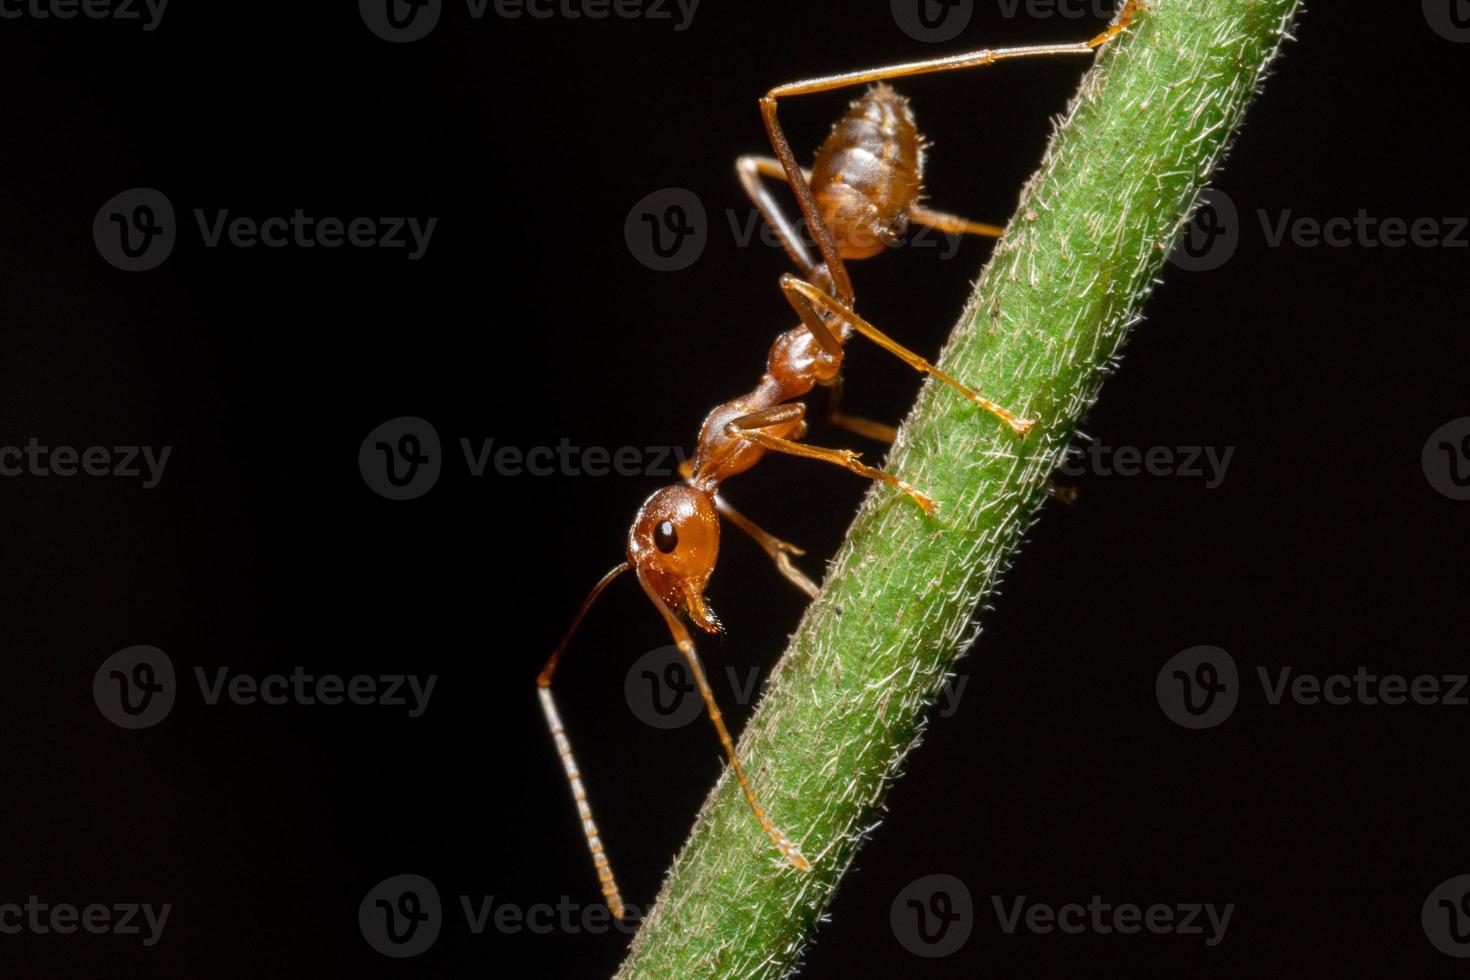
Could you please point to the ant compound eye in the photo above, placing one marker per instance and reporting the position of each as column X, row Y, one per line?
column 665, row 537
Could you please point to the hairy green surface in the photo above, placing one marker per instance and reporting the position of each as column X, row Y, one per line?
column 1149, row 125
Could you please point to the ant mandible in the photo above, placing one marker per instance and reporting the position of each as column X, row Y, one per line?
column 858, row 199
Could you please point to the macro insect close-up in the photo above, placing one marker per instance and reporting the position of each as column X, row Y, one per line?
column 858, row 198
column 1043, row 428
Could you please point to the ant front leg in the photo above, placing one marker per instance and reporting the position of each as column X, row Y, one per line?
column 779, row 551
column 685, row 643
column 752, row 428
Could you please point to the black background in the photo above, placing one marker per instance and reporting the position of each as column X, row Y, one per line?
column 528, row 321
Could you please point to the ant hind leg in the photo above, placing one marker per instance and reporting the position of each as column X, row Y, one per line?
column 806, row 298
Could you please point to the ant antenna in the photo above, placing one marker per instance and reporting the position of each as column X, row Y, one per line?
column 564, row 747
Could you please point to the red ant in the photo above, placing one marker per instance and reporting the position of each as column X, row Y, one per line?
column 857, row 200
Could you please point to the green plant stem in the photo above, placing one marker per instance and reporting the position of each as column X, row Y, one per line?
column 1144, row 134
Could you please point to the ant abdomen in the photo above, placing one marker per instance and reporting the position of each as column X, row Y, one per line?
column 869, row 172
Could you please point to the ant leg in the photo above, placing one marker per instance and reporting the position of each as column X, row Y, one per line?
column 819, row 330
column 877, row 431
column 751, row 169
column 564, row 749
column 804, row 293
column 952, row 223
column 1063, row 493
column 801, row 185
column 779, row 551
column 842, row 285
column 971, row 59
column 752, row 428
column 686, row 646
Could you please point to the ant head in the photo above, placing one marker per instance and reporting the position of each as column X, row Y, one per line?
column 673, row 544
